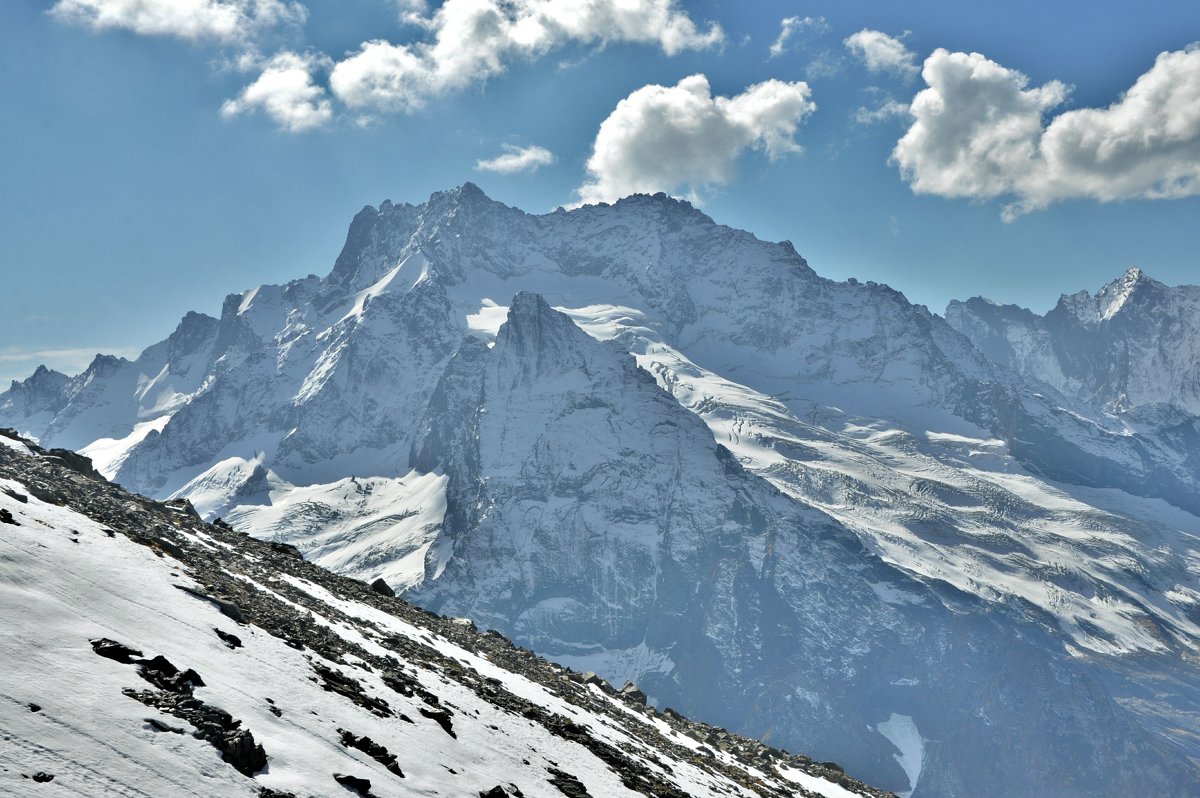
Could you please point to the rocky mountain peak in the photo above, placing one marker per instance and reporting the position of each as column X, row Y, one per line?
column 41, row 380
column 1114, row 296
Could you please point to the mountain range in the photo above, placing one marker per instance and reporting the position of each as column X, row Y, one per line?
column 957, row 554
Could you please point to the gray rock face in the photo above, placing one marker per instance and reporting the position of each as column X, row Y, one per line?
column 35, row 400
column 806, row 509
column 1115, row 384
column 1135, row 344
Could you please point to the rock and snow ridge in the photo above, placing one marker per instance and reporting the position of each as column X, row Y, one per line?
column 381, row 420
column 1130, row 350
column 149, row 653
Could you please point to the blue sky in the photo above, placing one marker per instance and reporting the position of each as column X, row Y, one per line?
column 142, row 177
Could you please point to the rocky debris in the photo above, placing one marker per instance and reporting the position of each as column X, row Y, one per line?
column 383, row 588
column 281, row 548
column 111, row 649
column 6, row 517
column 344, row 685
column 174, row 697
column 267, row 792
column 401, row 682
column 631, row 692
column 499, row 792
column 15, row 495
column 354, row 784
column 158, row 725
column 74, row 461
column 567, row 784
column 230, row 640
column 35, row 707
column 590, row 677
column 214, row 725
column 42, row 778
column 230, row 610
column 181, row 506
column 286, row 612
column 441, row 717
column 162, row 674
column 372, row 749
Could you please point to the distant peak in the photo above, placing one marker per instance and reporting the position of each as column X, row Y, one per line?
column 1113, row 296
column 105, row 363
column 466, row 194
column 534, row 327
column 42, row 377
column 528, row 302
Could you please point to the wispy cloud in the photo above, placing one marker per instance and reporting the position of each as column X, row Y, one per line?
column 888, row 109
column 517, row 159
column 791, row 27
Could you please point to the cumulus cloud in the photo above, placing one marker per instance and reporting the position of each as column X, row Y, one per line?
column 517, row 159
column 285, row 91
column 223, row 21
column 882, row 53
column 979, row 131
column 672, row 138
column 470, row 41
column 791, row 27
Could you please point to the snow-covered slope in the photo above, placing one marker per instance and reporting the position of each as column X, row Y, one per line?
column 861, row 479
column 146, row 653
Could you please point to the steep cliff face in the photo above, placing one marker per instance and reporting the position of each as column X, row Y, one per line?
column 662, row 449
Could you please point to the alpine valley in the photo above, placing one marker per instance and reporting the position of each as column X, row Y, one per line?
column 958, row 555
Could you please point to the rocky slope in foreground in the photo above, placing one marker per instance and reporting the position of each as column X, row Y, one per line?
column 147, row 653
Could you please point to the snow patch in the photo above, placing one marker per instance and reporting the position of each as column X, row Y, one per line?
column 901, row 731
column 107, row 454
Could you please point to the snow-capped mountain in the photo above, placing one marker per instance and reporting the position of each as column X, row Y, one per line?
column 148, row 653
column 1134, row 346
column 664, row 450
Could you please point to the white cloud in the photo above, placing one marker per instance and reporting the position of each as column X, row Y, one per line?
column 473, row 40
column 888, row 109
column 285, row 91
column 224, row 21
column 671, row 138
column 979, row 132
column 517, row 159
column 882, row 53
column 790, row 27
